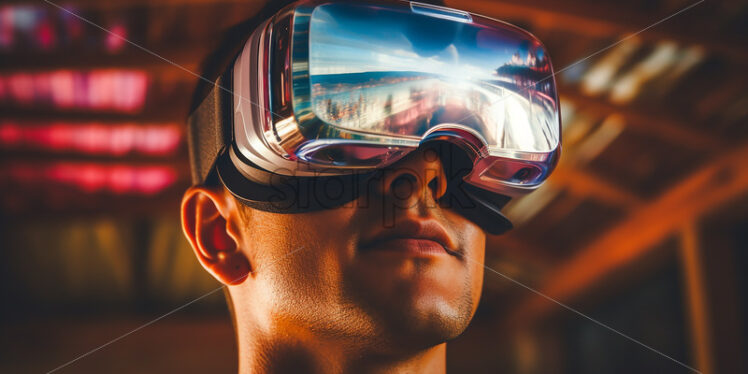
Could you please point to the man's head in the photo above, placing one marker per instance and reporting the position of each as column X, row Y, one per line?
column 395, row 262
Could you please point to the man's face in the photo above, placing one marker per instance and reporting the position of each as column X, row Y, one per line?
column 375, row 268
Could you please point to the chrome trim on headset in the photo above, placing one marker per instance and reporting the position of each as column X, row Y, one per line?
column 440, row 12
column 251, row 117
column 288, row 134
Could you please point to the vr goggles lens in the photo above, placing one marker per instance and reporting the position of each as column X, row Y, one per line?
column 329, row 87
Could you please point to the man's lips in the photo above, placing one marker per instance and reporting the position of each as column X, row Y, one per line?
column 417, row 237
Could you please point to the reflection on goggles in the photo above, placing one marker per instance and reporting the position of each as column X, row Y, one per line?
column 410, row 106
column 392, row 72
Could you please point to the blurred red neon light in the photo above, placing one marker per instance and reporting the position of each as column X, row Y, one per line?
column 110, row 89
column 94, row 177
column 93, row 138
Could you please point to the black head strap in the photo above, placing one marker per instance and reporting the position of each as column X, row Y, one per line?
column 209, row 128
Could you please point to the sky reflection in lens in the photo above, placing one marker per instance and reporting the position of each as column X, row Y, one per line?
column 386, row 70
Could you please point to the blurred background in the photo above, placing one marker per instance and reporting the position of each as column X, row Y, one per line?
column 644, row 225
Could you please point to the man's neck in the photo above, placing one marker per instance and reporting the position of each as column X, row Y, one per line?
column 290, row 352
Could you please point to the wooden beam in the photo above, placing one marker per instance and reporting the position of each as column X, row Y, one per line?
column 656, row 125
column 711, row 186
column 697, row 298
column 605, row 21
column 584, row 184
column 730, row 89
column 510, row 246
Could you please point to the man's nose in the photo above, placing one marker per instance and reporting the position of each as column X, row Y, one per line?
column 418, row 176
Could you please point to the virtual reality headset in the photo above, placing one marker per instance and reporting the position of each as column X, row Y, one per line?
column 327, row 89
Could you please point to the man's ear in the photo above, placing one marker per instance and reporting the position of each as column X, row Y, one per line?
column 206, row 221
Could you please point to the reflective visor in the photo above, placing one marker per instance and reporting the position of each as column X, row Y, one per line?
column 357, row 85
column 400, row 72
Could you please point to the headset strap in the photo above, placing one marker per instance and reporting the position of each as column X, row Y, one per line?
column 209, row 128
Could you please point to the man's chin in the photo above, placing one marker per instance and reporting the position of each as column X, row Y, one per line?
column 420, row 302
column 423, row 324
column 418, row 321
column 449, row 320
